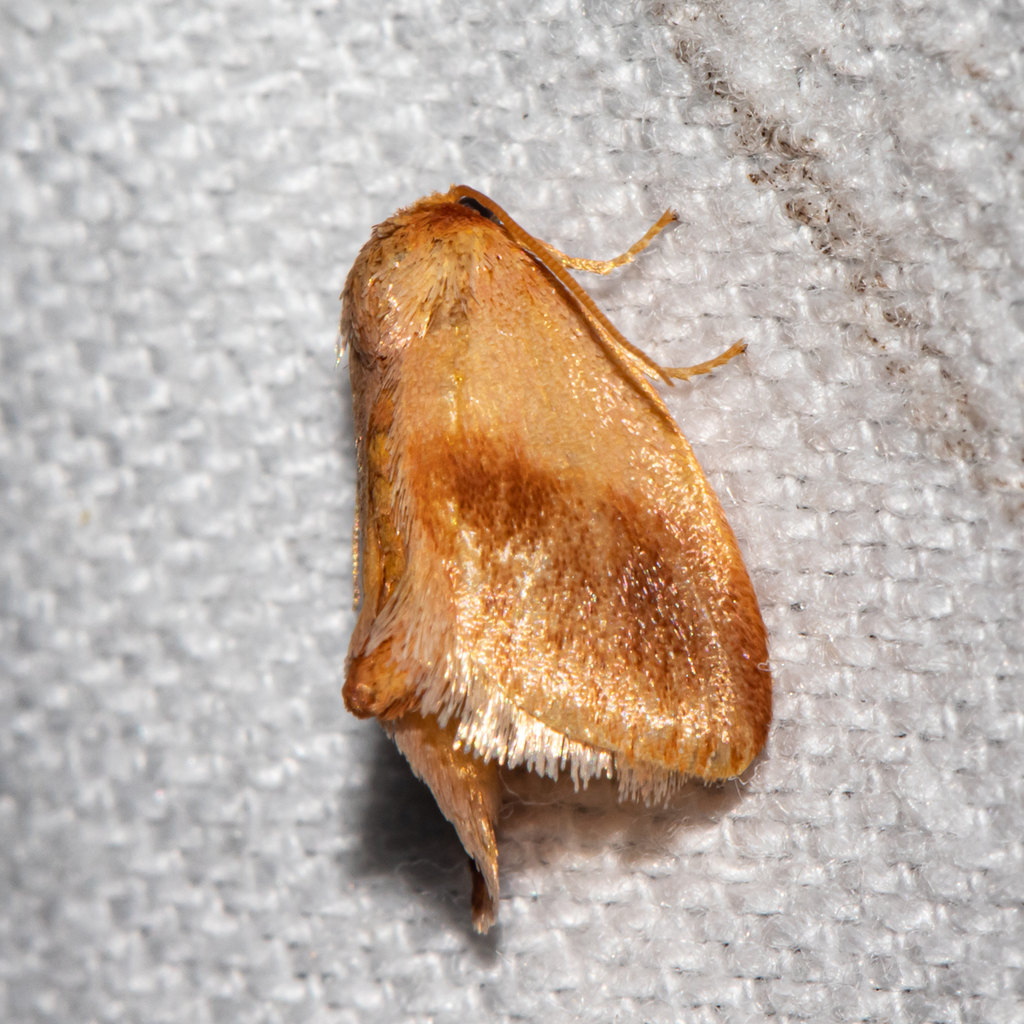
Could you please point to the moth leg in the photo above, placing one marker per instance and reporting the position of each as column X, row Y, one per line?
column 686, row 372
column 607, row 266
column 468, row 792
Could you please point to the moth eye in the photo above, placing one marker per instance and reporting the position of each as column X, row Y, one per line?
column 479, row 207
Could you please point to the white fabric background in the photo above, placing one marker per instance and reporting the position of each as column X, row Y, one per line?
column 193, row 830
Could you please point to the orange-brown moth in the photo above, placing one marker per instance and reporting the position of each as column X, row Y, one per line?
column 546, row 578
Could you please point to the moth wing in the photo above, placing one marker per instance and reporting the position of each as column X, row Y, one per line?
column 573, row 591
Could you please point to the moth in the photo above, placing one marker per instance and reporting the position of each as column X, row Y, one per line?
column 545, row 576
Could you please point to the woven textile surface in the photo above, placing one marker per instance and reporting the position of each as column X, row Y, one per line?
column 193, row 829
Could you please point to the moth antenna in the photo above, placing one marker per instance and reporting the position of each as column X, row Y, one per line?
column 607, row 266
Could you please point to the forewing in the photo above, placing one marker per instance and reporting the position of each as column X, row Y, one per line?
column 567, row 561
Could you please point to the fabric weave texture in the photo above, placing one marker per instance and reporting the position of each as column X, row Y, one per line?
column 193, row 830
